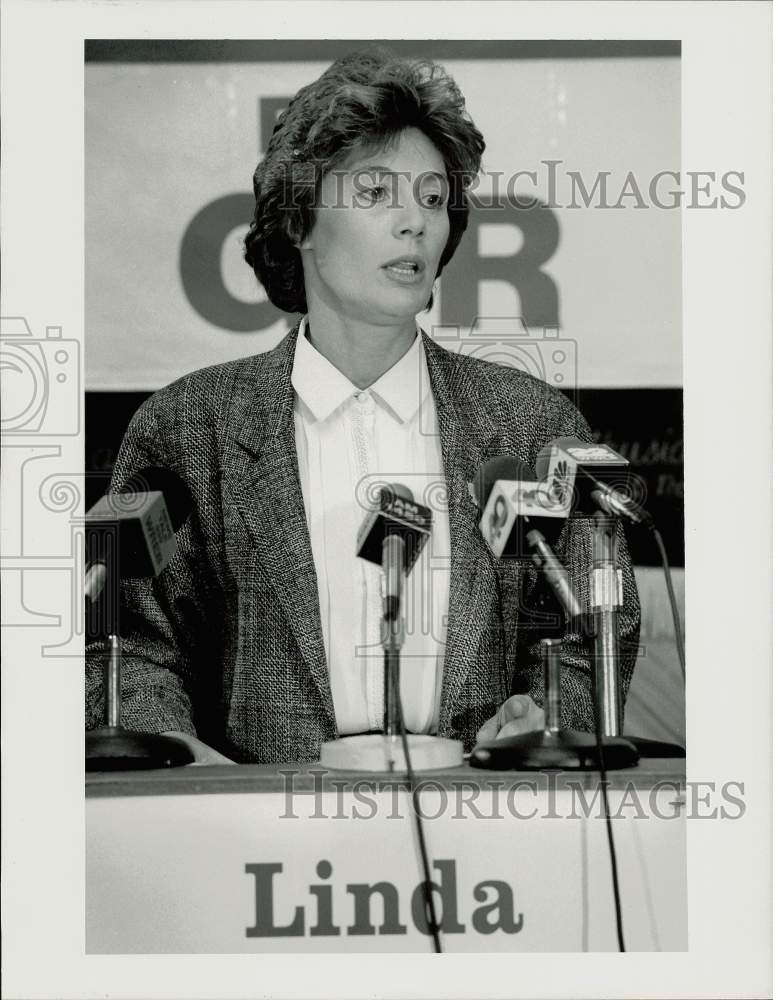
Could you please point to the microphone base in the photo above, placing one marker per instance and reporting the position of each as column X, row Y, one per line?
column 656, row 748
column 113, row 748
column 564, row 750
column 380, row 753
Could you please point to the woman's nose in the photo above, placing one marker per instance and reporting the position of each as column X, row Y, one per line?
column 409, row 215
column 411, row 221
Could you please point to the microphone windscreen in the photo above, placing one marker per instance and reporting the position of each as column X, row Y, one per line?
column 543, row 458
column 397, row 513
column 505, row 467
column 177, row 496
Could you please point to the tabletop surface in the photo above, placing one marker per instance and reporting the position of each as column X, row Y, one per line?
column 308, row 778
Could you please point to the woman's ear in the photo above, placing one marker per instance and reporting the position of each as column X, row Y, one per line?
column 296, row 237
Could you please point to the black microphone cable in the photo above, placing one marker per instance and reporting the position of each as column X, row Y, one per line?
column 426, row 885
column 650, row 525
column 608, row 818
column 671, row 597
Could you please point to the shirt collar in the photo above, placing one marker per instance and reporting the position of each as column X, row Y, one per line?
column 318, row 383
column 323, row 388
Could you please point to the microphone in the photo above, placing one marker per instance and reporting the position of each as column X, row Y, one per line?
column 516, row 509
column 132, row 532
column 597, row 475
column 544, row 558
column 511, row 500
column 392, row 536
column 505, row 488
column 492, row 470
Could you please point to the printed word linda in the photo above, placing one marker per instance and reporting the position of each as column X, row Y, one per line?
column 376, row 908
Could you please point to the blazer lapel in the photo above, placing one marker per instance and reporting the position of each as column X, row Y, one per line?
column 264, row 483
column 467, row 432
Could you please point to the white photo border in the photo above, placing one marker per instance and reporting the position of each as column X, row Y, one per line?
column 726, row 107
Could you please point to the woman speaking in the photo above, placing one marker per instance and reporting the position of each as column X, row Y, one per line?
column 261, row 638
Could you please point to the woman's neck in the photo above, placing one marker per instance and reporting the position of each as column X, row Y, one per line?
column 361, row 351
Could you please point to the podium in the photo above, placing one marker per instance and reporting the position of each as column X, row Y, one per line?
column 300, row 858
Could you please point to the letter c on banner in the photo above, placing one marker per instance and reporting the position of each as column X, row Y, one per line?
column 200, row 271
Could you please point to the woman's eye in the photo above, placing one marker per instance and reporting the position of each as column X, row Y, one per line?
column 377, row 193
column 433, row 200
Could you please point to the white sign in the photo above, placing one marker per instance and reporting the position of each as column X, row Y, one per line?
column 338, row 871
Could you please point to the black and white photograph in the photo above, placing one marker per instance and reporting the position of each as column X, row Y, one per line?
column 369, row 540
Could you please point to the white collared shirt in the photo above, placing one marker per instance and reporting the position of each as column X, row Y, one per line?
column 350, row 442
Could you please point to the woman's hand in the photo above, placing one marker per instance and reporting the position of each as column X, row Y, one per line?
column 202, row 754
column 518, row 714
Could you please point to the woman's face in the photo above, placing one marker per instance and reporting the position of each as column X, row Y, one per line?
column 379, row 233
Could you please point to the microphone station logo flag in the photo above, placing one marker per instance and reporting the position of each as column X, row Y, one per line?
column 561, row 482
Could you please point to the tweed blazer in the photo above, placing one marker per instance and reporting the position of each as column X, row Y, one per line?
column 227, row 642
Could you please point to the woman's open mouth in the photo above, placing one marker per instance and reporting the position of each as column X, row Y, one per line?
column 405, row 270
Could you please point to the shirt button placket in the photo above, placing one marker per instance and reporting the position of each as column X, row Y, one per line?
column 365, row 427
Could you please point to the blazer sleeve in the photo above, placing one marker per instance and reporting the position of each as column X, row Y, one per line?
column 163, row 620
column 574, row 550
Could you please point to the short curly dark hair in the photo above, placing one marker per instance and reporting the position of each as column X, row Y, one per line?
column 366, row 98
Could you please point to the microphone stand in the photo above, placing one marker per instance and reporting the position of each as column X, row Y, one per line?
column 565, row 749
column 111, row 747
column 392, row 636
column 384, row 751
column 607, row 598
column 552, row 748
